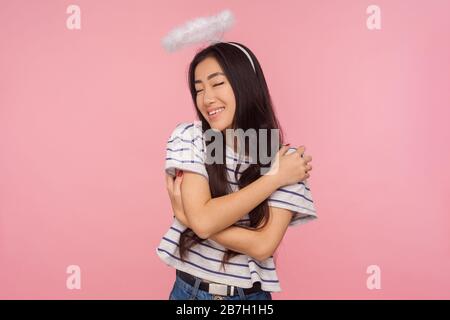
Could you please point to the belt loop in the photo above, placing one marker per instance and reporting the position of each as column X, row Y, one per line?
column 195, row 290
column 241, row 293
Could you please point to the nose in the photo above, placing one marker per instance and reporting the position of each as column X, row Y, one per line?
column 208, row 97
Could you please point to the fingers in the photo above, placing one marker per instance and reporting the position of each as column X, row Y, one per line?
column 307, row 158
column 300, row 150
column 284, row 148
column 169, row 182
column 177, row 183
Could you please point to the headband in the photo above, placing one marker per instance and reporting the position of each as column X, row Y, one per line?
column 246, row 53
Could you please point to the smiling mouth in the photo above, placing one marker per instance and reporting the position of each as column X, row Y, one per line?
column 216, row 111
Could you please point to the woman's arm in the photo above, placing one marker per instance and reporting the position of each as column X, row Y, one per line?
column 259, row 244
column 209, row 215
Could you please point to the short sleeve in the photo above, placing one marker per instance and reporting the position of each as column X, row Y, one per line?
column 296, row 198
column 185, row 150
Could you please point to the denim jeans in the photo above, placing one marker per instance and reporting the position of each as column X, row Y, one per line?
column 184, row 291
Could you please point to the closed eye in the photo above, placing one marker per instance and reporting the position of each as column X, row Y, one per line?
column 217, row 84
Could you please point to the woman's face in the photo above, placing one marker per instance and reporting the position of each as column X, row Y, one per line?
column 215, row 97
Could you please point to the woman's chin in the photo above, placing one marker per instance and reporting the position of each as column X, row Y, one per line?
column 218, row 126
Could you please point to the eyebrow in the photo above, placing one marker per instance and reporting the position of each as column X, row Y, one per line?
column 212, row 75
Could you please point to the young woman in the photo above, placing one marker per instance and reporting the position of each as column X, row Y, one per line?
column 229, row 216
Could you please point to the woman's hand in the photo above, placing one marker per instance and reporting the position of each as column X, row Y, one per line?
column 174, row 190
column 290, row 168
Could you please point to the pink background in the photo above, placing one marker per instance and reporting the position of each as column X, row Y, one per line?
column 85, row 116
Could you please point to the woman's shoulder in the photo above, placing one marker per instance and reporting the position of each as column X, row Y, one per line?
column 185, row 149
column 187, row 130
column 187, row 136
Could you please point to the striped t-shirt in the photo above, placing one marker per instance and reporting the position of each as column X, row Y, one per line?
column 186, row 150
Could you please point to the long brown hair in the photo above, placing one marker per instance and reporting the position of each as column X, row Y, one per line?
column 254, row 110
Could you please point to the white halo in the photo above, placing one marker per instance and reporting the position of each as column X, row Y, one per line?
column 201, row 29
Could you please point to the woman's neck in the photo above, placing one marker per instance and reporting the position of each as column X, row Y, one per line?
column 236, row 146
column 231, row 145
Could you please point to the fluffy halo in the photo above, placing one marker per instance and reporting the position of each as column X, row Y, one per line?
column 201, row 29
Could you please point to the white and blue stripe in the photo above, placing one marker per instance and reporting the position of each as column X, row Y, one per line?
column 185, row 151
